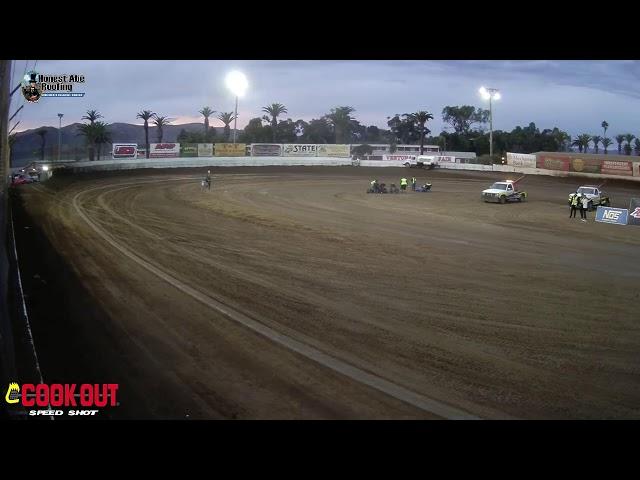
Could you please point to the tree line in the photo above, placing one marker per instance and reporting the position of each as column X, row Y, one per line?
column 465, row 130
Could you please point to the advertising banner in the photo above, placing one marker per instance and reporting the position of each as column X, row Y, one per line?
column 399, row 158
column 618, row 216
column 328, row 150
column 188, row 149
column 614, row 167
column 446, row 159
column 634, row 211
column 205, row 149
column 299, row 150
column 266, row 150
column 230, row 150
column 164, row 150
column 521, row 160
column 585, row 165
column 551, row 162
column 124, row 150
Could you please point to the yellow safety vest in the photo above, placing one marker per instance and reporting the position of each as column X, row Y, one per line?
column 574, row 201
column 403, row 181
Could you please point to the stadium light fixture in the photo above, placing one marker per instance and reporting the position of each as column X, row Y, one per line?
column 238, row 84
column 490, row 94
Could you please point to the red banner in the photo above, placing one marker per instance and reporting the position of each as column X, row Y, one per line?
column 614, row 167
column 551, row 162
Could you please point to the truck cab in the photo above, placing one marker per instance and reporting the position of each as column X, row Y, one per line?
column 421, row 161
column 503, row 192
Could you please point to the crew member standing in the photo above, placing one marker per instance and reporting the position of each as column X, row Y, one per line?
column 584, row 207
column 208, row 179
column 403, row 184
column 574, row 205
column 413, row 183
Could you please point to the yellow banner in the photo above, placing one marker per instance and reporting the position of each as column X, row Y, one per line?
column 330, row 150
column 230, row 150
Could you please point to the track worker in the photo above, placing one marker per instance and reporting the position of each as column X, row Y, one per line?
column 208, row 179
column 374, row 185
column 584, row 207
column 574, row 205
column 413, row 183
column 403, row 184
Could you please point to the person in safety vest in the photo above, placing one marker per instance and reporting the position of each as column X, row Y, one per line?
column 574, row 205
column 403, row 184
column 413, row 183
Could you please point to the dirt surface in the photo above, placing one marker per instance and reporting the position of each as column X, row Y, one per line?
column 416, row 305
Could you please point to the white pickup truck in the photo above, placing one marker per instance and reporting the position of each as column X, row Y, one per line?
column 421, row 161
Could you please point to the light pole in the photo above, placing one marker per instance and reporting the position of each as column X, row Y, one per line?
column 237, row 83
column 490, row 94
column 60, row 115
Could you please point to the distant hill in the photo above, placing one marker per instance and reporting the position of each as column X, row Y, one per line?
column 28, row 142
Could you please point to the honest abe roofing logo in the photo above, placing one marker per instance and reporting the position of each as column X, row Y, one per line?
column 36, row 85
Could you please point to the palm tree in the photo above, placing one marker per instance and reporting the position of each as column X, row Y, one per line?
column 582, row 142
column 596, row 139
column 146, row 115
column 226, row 118
column 637, row 146
column 605, row 125
column 619, row 139
column 206, row 112
column 605, row 143
column 274, row 110
column 43, row 136
column 102, row 136
column 89, row 131
column 421, row 118
column 340, row 118
column 160, row 122
column 92, row 116
column 627, row 148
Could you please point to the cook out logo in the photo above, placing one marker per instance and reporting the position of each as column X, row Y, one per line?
column 69, row 395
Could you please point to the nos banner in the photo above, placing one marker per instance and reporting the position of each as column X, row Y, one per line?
column 327, row 150
column 549, row 162
column 299, row 150
column 266, row 150
column 618, row 216
column 585, row 165
column 230, row 150
column 634, row 211
column 188, row 149
column 124, row 150
column 164, row 150
column 205, row 149
column 521, row 160
column 613, row 167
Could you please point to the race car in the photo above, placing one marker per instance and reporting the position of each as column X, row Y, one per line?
column 503, row 192
column 21, row 179
column 594, row 194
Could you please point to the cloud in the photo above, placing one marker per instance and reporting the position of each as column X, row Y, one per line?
column 573, row 95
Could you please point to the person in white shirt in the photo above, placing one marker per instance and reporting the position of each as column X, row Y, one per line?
column 584, row 206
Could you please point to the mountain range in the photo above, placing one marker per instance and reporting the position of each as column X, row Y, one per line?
column 28, row 142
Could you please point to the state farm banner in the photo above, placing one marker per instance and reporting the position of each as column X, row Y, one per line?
column 553, row 162
column 398, row 158
column 266, row 150
column 634, row 211
column 230, row 150
column 164, row 150
column 205, row 149
column 188, row 149
column 521, row 160
column 124, row 150
column 328, row 150
column 585, row 165
column 299, row 150
column 614, row 167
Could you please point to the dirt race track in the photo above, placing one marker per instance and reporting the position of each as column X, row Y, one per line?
column 290, row 293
